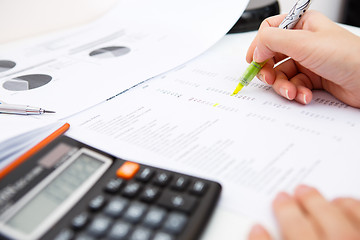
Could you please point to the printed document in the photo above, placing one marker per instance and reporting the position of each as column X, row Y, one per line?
column 72, row 70
column 255, row 144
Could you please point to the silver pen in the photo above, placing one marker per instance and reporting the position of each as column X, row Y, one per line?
column 295, row 14
column 22, row 109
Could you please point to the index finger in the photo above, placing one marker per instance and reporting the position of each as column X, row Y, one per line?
column 297, row 43
column 331, row 221
column 273, row 21
column 351, row 207
column 293, row 223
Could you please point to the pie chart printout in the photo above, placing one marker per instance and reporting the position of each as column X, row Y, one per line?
column 27, row 82
column 109, row 52
column 6, row 65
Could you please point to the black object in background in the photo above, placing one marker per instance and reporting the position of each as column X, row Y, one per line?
column 254, row 14
column 352, row 16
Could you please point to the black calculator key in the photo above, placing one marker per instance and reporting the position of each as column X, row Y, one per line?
column 177, row 201
column 80, row 220
column 135, row 212
column 83, row 236
column 125, row 200
column 65, row 234
column 198, row 187
column 150, row 193
column 114, row 185
column 116, row 207
column 141, row 233
column 120, row 230
column 175, row 222
column 154, row 217
column 131, row 189
column 145, row 174
column 180, row 183
column 97, row 203
column 163, row 236
column 162, row 179
column 99, row 225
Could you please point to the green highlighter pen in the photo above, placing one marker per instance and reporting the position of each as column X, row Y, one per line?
column 251, row 71
column 289, row 22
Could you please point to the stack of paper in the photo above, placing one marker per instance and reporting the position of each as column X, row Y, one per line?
column 73, row 70
column 256, row 143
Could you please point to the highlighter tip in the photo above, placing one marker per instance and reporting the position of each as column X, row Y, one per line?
column 237, row 90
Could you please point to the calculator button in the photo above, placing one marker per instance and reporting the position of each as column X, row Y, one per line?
column 135, row 212
column 198, row 187
column 65, row 234
column 99, row 226
column 128, row 170
column 174, row 200
column 163, row 236
column 116, row 206
column 162, row 179
column 114, row 185
column 180, row 183
column 80, row 220
column 175, row 222
column 84, row 236
column 149, row 194
column 154, row 217
column 120, row 230
column 141, row 233
column 131, row 189
column 96, row 203
column 145, row 174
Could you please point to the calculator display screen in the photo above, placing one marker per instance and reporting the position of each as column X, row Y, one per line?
column 54, row 193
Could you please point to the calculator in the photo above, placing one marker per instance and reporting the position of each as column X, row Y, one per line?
column 69, row 190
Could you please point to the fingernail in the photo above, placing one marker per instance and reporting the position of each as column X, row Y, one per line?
column 282, row 197
column 341, row 200
column 347, row 202
column 303, row 190
column 262, row 78
column 256, row 54
column 305, row 101
column 285, row 93
column 257, row 230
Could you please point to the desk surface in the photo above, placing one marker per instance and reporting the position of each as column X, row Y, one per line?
column 224, row 224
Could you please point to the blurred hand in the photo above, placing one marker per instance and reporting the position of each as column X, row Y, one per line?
column 323, row 56
column 309, row 216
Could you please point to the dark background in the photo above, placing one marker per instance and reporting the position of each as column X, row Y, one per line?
column 352, row 13
column 258, row 10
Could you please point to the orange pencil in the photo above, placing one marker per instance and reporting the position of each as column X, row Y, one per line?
column 34, row 150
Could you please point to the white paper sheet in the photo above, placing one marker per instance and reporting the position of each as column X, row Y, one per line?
column 256, row 143
column 78, row 69
column 14, row 147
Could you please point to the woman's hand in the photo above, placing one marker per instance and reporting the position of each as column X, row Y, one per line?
column 309, row 216
column 323, row 56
